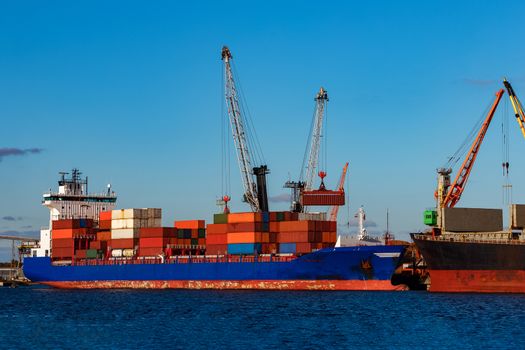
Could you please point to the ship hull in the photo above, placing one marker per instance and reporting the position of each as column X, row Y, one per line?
column 348, row 268
column 468, row 266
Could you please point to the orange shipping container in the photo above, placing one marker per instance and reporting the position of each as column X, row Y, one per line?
column 216, row 229
column 274, row 226
column 265, row 237
column 72, row 233
column 244, row 237
column 326, row 237
column 244, row 217
column 103, row 235
column 102, row 245
column 333, row 237
column 104, row 215
column 190, row 224
column 62, row 253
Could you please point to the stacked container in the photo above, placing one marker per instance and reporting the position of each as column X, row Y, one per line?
column 71, row 237
column 153, row 241
column 125, row 228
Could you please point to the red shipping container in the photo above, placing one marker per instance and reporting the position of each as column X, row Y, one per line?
column 104, row 224
column 62, row 253
column 71, row 223
column 216, row 249
column 150, row 251
column 101, row 245
column 80, row 254
column 190, row 224
column 217, row 238
column 62, row 243
column 153, row 242
column 296, row 226
column 333, row 237
column 216, row 228
column 273, row 237
column 128, row 243
column 294, row 216
column 270, row 248
column 265, row 237
column 104, row 235
column 202, row 241
column 274, row 226
column 332, row 226
column 296, row 237
column 273, row 216
column 304, row 247
column 156, row 232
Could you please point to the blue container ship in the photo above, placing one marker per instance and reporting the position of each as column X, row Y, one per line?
column 359, row 267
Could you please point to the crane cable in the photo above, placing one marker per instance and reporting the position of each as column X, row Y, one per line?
column 465, row 145
column 505, row 153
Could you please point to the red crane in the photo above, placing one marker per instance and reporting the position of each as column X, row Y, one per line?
column 453, row 193
column 335, row 209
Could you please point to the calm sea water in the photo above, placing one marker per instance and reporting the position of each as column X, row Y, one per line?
column 45, row 318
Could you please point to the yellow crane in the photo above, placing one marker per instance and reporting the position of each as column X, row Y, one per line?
column 516, row 104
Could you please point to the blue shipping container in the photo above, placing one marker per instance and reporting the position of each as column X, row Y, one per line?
column 287, row 248
column 244, row 248
column 266, row 216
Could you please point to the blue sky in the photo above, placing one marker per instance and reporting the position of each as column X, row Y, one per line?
column 130, row 92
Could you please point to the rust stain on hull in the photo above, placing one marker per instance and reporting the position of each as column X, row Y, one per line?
column 230, row 285
column 478, row 281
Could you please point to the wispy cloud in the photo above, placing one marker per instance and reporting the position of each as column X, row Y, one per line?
column 10, row 151
column 9, row 218
column 479, row 82
column 280, row 198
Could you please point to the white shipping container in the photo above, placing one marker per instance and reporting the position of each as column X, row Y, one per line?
column 133, row 213
column 128, row 252
column 125, row 233
column 128, row 223
column 116, row 253
column 117, row 214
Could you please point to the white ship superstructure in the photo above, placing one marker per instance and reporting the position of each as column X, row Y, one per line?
column 72, row 201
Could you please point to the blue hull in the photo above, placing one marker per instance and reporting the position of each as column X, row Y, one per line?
column 340, row 268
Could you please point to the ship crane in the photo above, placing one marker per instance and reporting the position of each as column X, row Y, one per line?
column 447, row 195
column 303, row 193
column 255, row 192
column 516, row 105
column 335, row 209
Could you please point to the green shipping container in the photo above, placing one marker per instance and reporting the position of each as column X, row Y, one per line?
column 220, row 218
column 202, row 233
column 91, row 253
column 430, row 217
column 194, row 241
column 280, row 216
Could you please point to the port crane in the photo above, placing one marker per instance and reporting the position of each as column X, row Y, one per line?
column 447, row 195
column 335, row 209
column 255, row 191
column 516, row 105
column 303, row 193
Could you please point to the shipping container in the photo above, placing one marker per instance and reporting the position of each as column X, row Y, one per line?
column 191, row 224
column 104, row 224
column 128, row 253
column 294, row 226
column 244, row 237
column 216, row 228
column 92, row 254
column 103, row 235
column 287, row 248
column 62, row 243
column 116, row 253
column 150, row 242
column 245, row 248
column 220, row 239
column 72, row 233
column 104, row 216
column 216, row 249
column 123, row 243
column 296, row 237
column 155, row 232
column 72, row 224
column 220, row 218
column 125, row 233
column 151, row 251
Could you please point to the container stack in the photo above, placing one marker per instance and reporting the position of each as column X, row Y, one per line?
column 71, row 237
column 269, row 233
column 190, row 233
column 153, row 241
column 125, row 228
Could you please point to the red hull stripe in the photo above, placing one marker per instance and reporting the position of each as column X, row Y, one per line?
column 479, row 281
column 250, row 284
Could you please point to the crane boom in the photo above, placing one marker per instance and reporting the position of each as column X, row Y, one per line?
column 315, row 142
column 457, row 187
column 340, row 187
column 239, row 133
column 516, row 104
